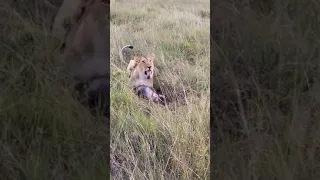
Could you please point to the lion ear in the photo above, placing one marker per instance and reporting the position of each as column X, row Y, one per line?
column 136, row 58
column 153, row 56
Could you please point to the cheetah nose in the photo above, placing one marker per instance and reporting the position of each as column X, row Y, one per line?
column 149, row 67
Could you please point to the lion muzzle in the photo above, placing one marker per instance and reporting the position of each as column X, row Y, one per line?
column 148, row 73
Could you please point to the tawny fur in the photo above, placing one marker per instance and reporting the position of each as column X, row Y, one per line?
column 86, row 44
column 69, row 14
column 87, row 40
column 141, row 71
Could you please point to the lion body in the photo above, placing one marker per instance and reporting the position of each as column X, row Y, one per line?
column 141, row 70
column 85, row 46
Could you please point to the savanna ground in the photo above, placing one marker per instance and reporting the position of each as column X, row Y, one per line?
column 163, row 143
column 45, row 132
column 265, row 89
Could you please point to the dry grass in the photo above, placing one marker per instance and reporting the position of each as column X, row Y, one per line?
column 265, row 94
column 169, row 143
column 265, row 90
column 45, row 132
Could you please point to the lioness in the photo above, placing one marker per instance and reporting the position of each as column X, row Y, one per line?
column 86, row 48
column 141, row 70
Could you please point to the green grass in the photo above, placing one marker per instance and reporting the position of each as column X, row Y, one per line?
column 149, row 141
column 265, row 90
column 45, row 132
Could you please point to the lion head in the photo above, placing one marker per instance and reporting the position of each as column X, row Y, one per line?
column 85, row 48
column 145, row 66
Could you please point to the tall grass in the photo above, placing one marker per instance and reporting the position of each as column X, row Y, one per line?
column 265, row 90
column 45, row 132
column 149, row 141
